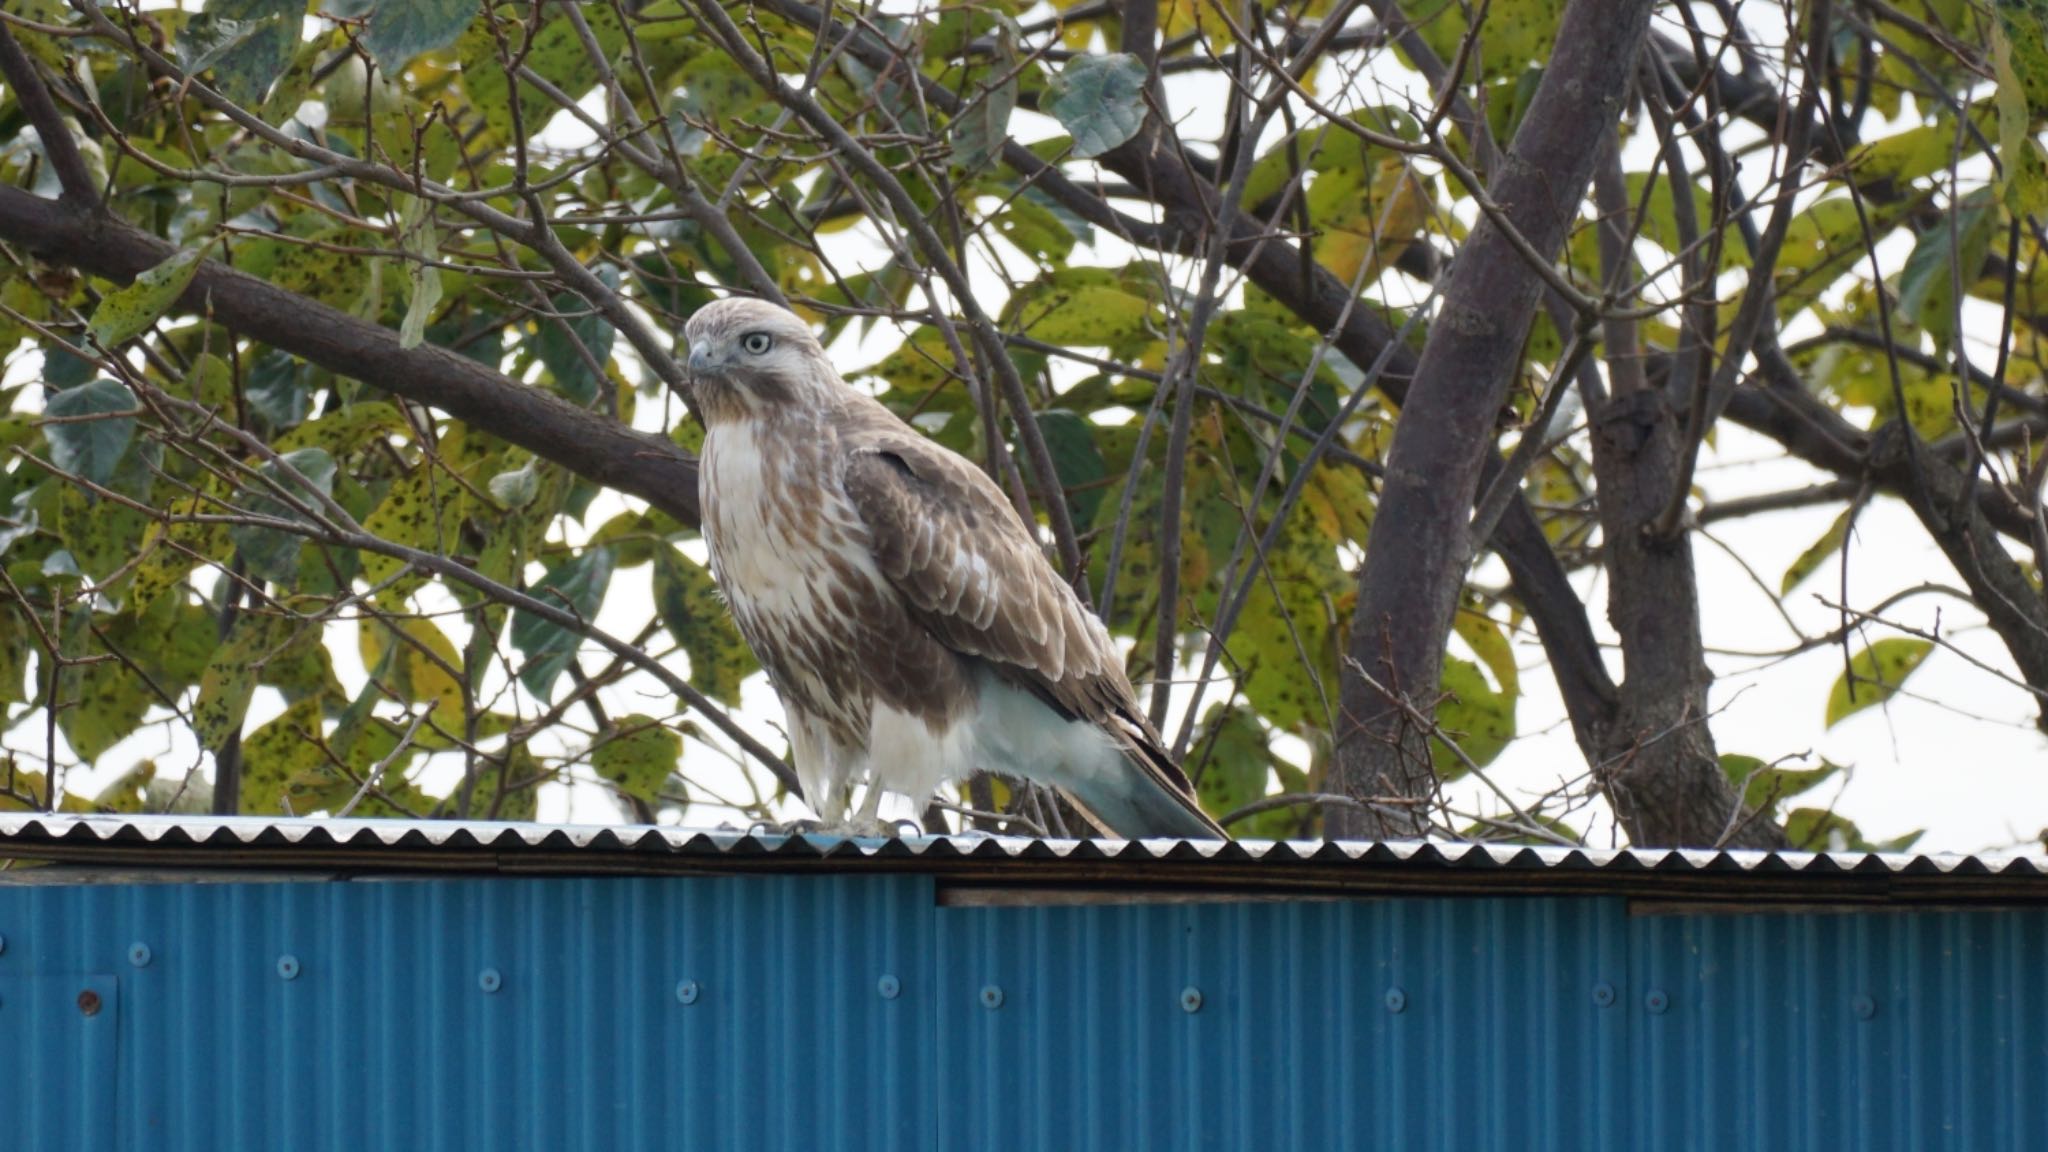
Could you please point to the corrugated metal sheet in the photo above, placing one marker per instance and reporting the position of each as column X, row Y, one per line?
column 825, row 1010
column 1299, row 867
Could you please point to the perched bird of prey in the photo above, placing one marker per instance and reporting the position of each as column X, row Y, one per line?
column 901, row 608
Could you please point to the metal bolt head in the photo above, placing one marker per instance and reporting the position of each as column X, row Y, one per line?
column 288, row 966
column 1657, row 1002
column 687, row 991
column 889, row 987
column 1396, row 1000
column 138, row 954
column 1603, row 994
column 489, row 980
column 89, row 1003
column 991, row 997
column 1191, row 999
column 1864, row 1007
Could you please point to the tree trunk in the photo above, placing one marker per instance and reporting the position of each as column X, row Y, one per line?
column 1417, row 555
column 1657, row 762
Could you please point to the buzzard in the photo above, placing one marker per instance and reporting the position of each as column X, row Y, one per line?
column 901, row 608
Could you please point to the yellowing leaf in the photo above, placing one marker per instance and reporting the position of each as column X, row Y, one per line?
column 1829, row 543
column 690, row 609
column 229, row 681
column 126, row 313
column 1089, row 314
column 637, row 754
column 1877, row 672
column 1377, row 224
column 414, row 675
column 2024, row 167
column 1489, row 641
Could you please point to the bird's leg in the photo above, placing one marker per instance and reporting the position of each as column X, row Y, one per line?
column 868, row 821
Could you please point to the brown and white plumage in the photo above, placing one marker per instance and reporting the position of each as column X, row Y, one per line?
column 902, row 610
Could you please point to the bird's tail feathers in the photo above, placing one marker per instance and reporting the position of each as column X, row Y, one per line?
column 1148, row 800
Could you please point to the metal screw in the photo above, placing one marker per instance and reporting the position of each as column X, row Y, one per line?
column 1191, row 999
column 889, row 987
column 687, row 991
column 1657, row 1002
column 1864, row 1007
column 288, row 966
column 1397, row 1000
column 489, row 980
column 138, row 954
column 89, row 1002
column 991, row 997
column 1603, row 994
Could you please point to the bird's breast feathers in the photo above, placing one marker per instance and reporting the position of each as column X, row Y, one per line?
column 792, row 559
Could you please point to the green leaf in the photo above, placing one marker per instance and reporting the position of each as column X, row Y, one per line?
column 105, row 702
column 1810, row 560
column 1234, row 759
column 273, row 553
column 285, row 761
column 16, row 645
column 98, row 422
column 1762, row 785
column 1070, row 439
column 402, row 29
column 209, row 382
column 1955, row 244
column 1060, row 311
column 1473, row 713
column 1906, row 156
column 264, row 38
column 575, row 585
column 169, row 551
column 277, row 390
column 62, row 366
column 563, row 342
column 1514, row 32
column 420, row 510
column 691, row 610
column 1036, row 229
column 126, row 313
column 637, row 754
column 208, row 36
column 984, row 126
column 1819, row 830
column 1100, row 100
column 1877, row 673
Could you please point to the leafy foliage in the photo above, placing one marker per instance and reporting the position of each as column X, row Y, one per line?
column 289, row 554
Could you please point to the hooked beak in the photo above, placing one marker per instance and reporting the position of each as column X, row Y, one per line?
column 700, row 358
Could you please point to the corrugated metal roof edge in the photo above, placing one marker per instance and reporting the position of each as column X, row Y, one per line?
column 141, row 845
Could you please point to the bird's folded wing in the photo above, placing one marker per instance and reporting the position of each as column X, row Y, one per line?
column 951, row 544
column 945, row 537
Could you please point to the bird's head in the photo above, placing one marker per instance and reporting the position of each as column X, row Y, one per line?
column 750, row 357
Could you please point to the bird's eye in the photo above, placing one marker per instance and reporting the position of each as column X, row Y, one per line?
column 757, row 343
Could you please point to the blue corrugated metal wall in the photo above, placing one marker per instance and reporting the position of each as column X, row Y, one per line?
column 845, row 1012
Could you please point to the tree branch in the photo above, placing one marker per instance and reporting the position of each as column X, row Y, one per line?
column 596, row 448
column 58, row 143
